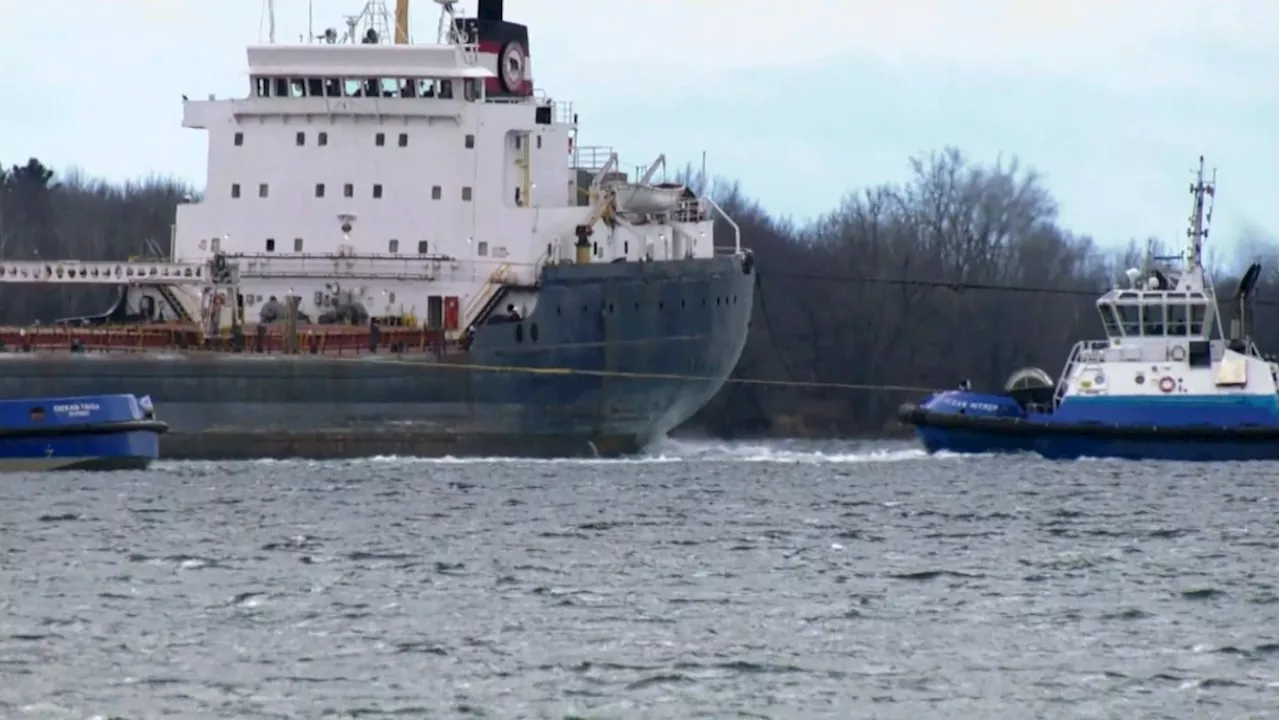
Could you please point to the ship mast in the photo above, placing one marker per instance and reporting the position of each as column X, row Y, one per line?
column 1201, row 215
column 402, row 22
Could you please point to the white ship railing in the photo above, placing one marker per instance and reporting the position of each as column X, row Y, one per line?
column 737, row 231
column 103, row 273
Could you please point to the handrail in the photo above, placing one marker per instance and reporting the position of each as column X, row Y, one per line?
column 496, row 279
column 737, row 231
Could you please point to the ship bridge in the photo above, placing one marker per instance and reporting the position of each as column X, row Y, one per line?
column 1156, row 314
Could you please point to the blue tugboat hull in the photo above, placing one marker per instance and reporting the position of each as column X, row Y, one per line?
column 102, row 432
column 1186, row 429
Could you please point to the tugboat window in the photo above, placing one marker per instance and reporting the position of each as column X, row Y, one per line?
column 1198, row 323
column 1178, row 320
column 1109, row 322
column 1153, row 320
column 1130, row 323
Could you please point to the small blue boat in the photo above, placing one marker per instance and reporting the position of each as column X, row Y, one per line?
column 1165, row 384
column 99, row 432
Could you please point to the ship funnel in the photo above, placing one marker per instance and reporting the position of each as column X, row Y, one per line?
column 489, row 10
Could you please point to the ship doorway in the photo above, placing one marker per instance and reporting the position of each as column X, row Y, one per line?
column 435, row 312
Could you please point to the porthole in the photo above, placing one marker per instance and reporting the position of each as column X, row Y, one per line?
column 533, row 332
column 519, row 332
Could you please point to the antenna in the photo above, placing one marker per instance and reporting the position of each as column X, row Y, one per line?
column 271, row 21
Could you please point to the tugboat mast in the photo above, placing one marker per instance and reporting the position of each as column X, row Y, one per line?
column 1201, row 215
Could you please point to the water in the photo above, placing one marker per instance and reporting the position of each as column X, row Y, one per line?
column 707, row 581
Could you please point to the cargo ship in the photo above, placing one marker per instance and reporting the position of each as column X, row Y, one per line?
column 403, row 249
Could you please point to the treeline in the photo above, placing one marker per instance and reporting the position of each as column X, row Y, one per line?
column 884, row 291
column 838, row 299
column 74, row 216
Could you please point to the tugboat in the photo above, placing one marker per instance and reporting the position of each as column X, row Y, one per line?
column 1164, row 385
column 101, row 432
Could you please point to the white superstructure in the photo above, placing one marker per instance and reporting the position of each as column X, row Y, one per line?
column 406, row 180
column 1165, row 335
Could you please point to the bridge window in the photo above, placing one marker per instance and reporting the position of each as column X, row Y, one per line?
column 271, row 244
column 470, row 141
column 263, row 190
column 319, row 190
column 377, row 191
column 435, row 192
column 1107, row 312
column 300, row 139
column 297, row 245
column 466, row 193
column 1178, row 319
column 393, row 247
column 262, row 87
column 1130, row 322
column 404, row 140
column 1199, row 319
column 348, row 190
column 482, row 248
column 239, row 139
column 380, row 139
column 322, row 139
column 1153, row 320
column 235, row 190
column 422, row 247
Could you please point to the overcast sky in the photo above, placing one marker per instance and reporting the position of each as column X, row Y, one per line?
column 1110, row 100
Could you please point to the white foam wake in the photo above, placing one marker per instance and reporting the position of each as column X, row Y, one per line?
column 794, row 452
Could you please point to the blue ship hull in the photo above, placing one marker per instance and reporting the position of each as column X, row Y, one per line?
column 612, row 357
column 1233, row 428
column 101, row 432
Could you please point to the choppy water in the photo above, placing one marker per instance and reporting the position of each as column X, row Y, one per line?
column 709, row 581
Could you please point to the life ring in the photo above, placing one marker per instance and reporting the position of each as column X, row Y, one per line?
column 1167, row 384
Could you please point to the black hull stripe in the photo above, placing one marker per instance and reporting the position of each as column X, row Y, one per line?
column 106, row 428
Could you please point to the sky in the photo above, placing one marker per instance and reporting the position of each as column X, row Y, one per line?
column 1110, row 101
